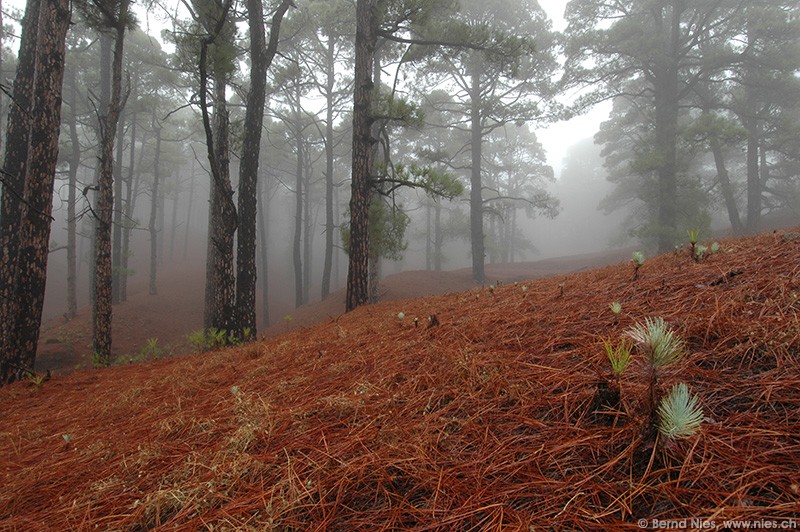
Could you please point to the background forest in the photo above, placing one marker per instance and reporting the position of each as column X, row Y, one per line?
column 258, row 142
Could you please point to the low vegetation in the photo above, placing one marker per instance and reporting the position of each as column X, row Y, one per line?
column 499, row 417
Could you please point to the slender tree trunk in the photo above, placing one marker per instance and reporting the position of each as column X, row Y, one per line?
column 263, row 240
column 361, row 182
column 727, row 187
column 428, row 236
column 189, row 214
column 173, row 224
column 753, row 177
column 34, row 228
column 101, row 332
column 438, row 239
column 130, row 203
column 297, row 259
column 261, row 56
column 72, row 229
column 329, row 227
column 476, row 185
column 116, row 251
column 666, row 121
column 308, row 236
column 153, row 211
column 18, row 131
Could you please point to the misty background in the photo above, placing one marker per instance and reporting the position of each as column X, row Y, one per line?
column 550, row 174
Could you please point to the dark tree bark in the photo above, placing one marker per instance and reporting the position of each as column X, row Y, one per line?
column 18, row 133
column 727, row 187
column 72, row 229
column 261, row 56
column 35, row 219
column 102, row 311
column 221, row 295
column 361, row 183
column 152, row 227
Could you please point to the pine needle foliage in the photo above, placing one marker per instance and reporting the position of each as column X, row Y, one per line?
column 658, row 342
column 680, row 414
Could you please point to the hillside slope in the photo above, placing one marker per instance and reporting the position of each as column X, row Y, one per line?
column 492, row 419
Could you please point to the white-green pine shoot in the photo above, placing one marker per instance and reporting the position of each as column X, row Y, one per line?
column 679, row 413
column 616, row 307
column 659, row 343
column 401, row 315
column 620, row 357
column 714, row 247
column 638, row 258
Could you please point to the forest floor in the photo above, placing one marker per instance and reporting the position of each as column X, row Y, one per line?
column 486, row 409
column 158, row 326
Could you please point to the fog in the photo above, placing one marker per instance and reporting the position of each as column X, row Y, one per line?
column 562, row 191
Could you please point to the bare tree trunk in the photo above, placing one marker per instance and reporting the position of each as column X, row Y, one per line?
column 18, row 131
column 189, row 214
column 330, row 74
column 34, row 229
column 308, row 239
column 361, row 182
column 261, row 55
column 438, row 240
column 263, row 240
column 153, row 211
column 297, row 260
column 74, row 164
column 476, row 187
column 116, row 251
column 130, row 203
column 101, row 332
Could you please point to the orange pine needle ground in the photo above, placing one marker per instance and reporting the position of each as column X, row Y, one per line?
column 488, row 421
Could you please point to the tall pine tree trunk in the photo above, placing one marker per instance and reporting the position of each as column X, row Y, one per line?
column 261, row 56
column 329, row 97
column 18, row 130
column 116, row 240
column 152, row 227
column 665, row 87
column 361, row 186
column 130, row 203
column 34, row 229
column 476, row 196
column 72, row 229
column 101, row 332
column 297, row 259
column 263, row 240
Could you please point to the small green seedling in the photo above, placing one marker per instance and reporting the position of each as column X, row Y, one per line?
column 694, row 234
column 661, row 347
column 619, row 356
column 714, row 248
column 638, row 260
column 679, row 414
column 401, row 316
column 616, row 307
